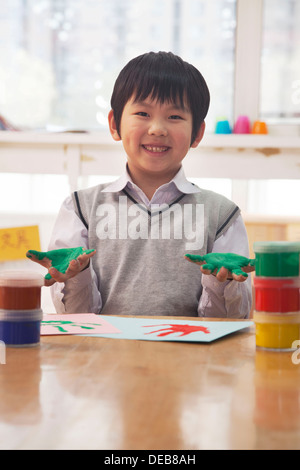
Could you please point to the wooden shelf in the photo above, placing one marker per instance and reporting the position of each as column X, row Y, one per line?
column 96, row 153
column 216, row 141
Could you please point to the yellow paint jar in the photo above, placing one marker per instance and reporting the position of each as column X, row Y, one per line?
column 277, row 331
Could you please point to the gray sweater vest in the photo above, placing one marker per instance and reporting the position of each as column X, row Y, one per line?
column 140, row 262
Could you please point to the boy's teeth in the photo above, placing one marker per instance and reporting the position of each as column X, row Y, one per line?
column 155, row 149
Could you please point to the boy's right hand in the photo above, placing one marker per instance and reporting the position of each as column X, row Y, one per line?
column 62, row 264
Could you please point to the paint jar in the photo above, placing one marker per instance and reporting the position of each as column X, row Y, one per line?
column 20, row 290
column 278, row 295
column 277, row 331
column 277, row 259
column 20, row 328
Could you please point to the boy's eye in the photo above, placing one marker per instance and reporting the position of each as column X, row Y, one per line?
column 142, row 113
column 175, row 116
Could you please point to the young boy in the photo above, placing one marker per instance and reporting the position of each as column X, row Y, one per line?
column 142, row 225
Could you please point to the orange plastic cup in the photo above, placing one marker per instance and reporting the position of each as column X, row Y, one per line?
column 259, row 127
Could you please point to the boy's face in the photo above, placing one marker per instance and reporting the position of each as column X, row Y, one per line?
column 156, row 136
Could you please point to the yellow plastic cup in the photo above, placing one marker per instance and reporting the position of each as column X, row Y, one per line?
column 277, row 331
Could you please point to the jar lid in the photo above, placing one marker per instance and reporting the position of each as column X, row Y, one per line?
column 276, row 282
column 276, row 247
column 278, row 318
column 21, row 315
column 21, row 279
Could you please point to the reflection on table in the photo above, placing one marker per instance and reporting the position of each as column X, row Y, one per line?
column 76, row 392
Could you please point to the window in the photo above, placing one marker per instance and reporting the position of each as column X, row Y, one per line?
column 59, row 58
column 280, row 61
column 273, row 198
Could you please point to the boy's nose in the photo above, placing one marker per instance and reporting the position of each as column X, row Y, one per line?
column 157, row 128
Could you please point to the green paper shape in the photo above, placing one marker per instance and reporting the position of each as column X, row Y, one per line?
column 60, row 258
column 231, row 261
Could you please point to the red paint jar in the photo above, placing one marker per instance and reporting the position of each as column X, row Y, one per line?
column 20, row 290
column 277, row 295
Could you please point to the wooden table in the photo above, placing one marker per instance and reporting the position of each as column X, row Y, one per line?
column 75, row 392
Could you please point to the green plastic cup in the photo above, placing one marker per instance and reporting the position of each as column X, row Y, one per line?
column 277, row 259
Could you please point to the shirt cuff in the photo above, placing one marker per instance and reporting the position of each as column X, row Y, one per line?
column 229, row 299
column 77, row 295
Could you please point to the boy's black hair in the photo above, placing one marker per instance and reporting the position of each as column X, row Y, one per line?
column 163, row 76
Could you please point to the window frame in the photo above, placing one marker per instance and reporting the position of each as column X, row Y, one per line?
column 249, row 21
column 249, row 33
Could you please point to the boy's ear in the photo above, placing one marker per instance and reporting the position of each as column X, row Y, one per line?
column 112, row 126
column 199, row 136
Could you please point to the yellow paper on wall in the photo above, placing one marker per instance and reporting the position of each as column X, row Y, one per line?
column 16, row 241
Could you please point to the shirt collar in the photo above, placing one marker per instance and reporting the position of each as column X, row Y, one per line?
column 179, row 181
column 183, row 184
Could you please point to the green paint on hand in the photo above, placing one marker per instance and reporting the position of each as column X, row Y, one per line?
column 60, row 259
column 231, row 261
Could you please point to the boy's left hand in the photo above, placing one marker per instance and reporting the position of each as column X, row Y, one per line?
column 224, row 266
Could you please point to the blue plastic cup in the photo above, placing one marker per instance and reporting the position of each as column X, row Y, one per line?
column 223, row 127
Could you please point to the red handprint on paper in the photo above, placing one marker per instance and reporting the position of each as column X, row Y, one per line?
column 183, row 329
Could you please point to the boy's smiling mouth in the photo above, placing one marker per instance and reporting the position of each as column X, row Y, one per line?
column 156, row 148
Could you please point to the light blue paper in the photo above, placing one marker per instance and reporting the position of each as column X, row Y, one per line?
column 147, row 329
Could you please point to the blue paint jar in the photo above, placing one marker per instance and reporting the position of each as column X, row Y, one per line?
column 20, row 328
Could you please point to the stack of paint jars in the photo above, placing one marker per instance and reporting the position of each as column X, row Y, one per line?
column 20, row 308
column 277, row 294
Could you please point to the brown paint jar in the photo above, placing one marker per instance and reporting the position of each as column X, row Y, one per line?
column 20, row 290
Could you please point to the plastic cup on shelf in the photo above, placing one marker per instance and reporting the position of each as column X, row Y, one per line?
column 259, row 127
column 242, row 125
column 223, row 127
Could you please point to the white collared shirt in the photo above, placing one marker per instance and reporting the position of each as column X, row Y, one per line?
column 228, row 299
